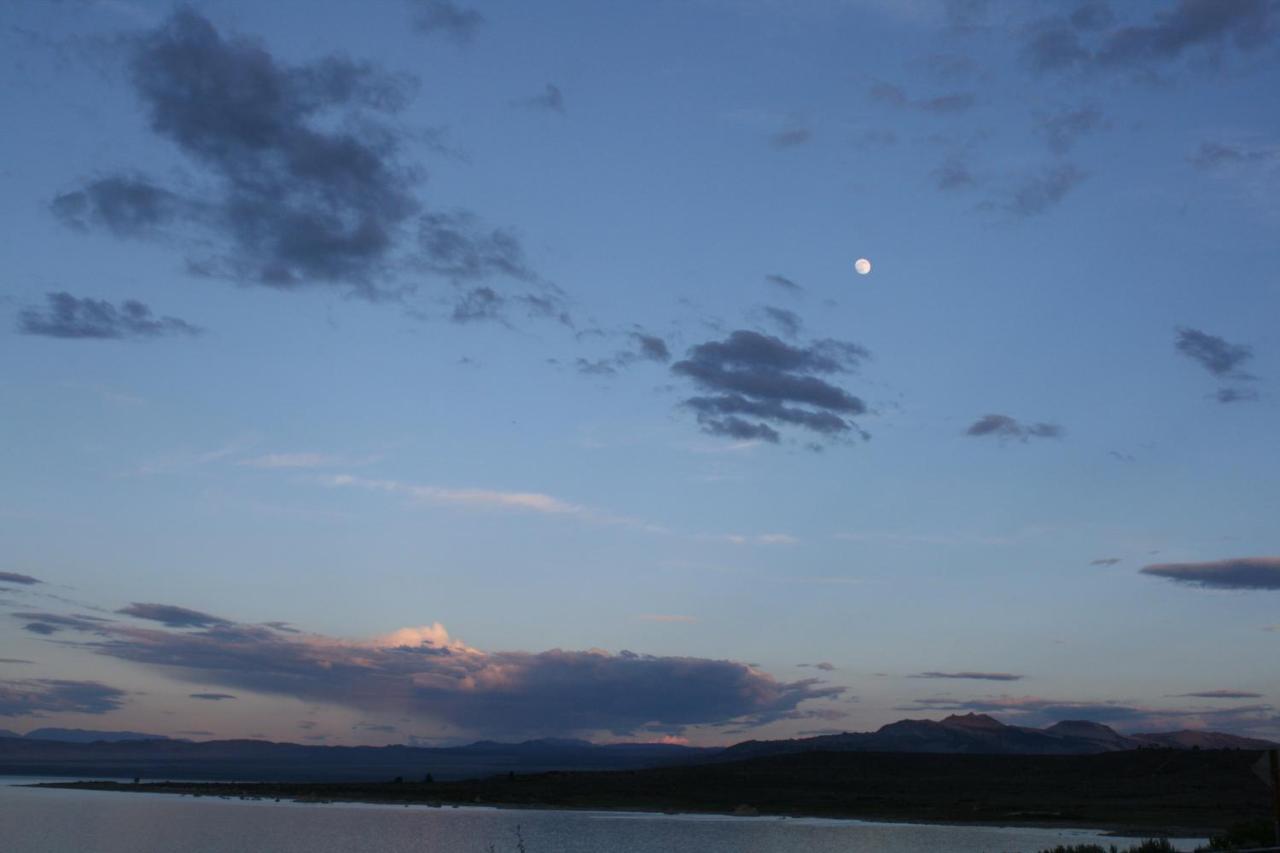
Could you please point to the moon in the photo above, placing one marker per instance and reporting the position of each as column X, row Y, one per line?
column 862, row 265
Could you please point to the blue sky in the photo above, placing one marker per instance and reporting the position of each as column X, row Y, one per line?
column 536, row 328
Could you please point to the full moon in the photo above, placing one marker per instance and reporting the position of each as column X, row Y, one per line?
column 862, row 265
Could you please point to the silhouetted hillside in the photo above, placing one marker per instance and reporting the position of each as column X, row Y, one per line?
column 979, row 734
column 1152, row 790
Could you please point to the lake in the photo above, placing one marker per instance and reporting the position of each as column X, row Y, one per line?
column 34, row 820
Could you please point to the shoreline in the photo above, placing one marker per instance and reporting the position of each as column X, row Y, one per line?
column 258, row 792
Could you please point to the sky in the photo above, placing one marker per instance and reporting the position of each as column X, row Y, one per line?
column 452, row 369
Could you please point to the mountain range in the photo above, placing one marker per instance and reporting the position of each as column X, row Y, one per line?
column 976, row 734
column 124, row 754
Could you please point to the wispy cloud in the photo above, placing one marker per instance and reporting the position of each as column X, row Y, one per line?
column 972, row 676
column 490, row 499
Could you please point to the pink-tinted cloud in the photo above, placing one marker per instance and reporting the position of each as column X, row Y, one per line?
column 425, row 674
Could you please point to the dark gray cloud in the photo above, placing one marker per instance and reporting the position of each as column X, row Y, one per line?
column 1218, row 694
column 1005, row 427
column 212, row 697
column 646, row 347
column 37, row 696
column 294, row 201
column 551, row 99
column 1214, row 354
column 51, row 623
column 67, row 316
column 1238, row 573
column 478, row 304
column 1092, row 15
column 16, row 660
column 759, row 382
column 787, row 322
column 1213, row 154
column 1091, row 37
column 1248, row 24
column 651, row 347
column 791, row 138
column 170, row 616
column 972, row 676
column 301, row 180
column 1043, row 190
column 457, row 245
column 783, row 282
column 1235, row 395
column 1105, row 561
column 1062, row 130
column 896, row 96
column 446, row 18
column 14, row 577
column 126, row 205
column 422, row 673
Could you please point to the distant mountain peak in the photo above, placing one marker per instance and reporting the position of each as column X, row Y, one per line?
column 973, row 721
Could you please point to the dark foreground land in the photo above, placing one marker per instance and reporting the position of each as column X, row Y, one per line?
column 1149, row 790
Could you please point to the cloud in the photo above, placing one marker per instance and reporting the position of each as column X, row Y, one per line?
column 651, row 347
column 426, row 674
column 1214, row 354
column 1248, row 24
column 896, row 96
column 14, row 577
column 37, row 696
column 788, row 322
column 446, row 18
column 1214, row 154
column 823, row 665
column 953, row 174
column 1219, row 694
column 1235, row 395
column 1005, row 427
column 212, row 697
column 1105, row 561
column 550, row 99
column 1090, row 38
column 1041, row 191
column 647, row 347
column 759, row 382
column 491, row 499
column 170, row 616
column 791, row 138
column 301, row 180
column 757, row 539
column 67, row 316
column 480, row 303
column 1238, row 573
column 783, row 282
column 1063, row 130
column 46, row 624
column 292, row 460
column 973, row 676
column 126, row 205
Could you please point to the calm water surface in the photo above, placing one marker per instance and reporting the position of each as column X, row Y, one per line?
column 33, row 820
